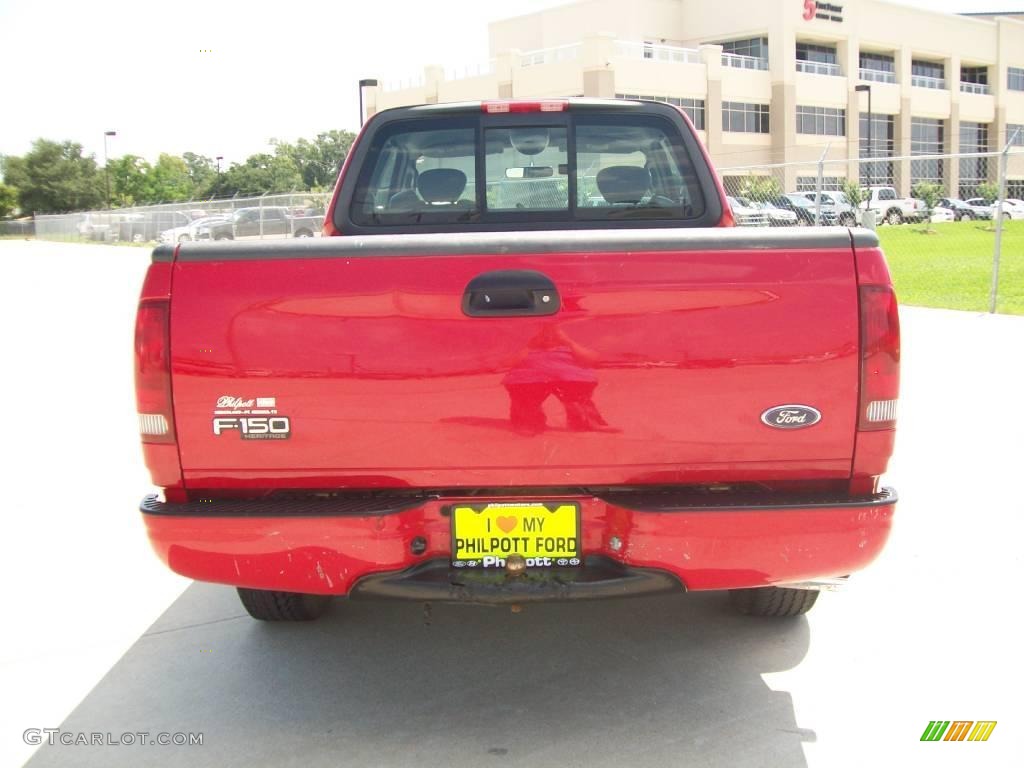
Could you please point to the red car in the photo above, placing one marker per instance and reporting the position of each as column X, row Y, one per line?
column 531, row 359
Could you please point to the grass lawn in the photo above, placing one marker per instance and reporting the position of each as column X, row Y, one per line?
column 952, row 268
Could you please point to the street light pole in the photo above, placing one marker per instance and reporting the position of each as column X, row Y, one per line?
column 219, row 158
column 871, row 142
column 106, row 170
column 367, row 83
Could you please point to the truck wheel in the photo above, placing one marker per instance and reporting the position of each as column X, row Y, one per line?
column 773, row 601
column 894, row 217
column 304, row 233
column 847, row 220
column 283, row 606
column 223, row 237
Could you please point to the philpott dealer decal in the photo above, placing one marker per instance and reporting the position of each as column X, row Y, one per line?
column 254, row 418
column 791, row 416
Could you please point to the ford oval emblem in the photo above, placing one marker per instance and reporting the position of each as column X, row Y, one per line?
column 791, row 416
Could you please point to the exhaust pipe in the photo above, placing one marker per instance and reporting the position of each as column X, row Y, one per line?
column 833, row 584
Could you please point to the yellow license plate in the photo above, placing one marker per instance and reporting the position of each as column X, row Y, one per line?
column 546, row 534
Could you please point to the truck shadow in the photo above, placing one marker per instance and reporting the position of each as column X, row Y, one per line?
column 652, row 681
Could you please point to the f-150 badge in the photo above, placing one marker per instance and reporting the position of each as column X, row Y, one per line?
column 252, row 418
column 791, row 416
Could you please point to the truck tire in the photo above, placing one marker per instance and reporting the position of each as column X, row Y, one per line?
column 848, row 220
column 283, row 606
column 893, row 217
column 773, row 601
column 304, row 233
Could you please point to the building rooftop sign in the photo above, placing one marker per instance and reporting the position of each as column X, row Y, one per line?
column 823, row 11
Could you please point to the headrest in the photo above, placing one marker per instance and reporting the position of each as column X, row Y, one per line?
column 441, row 185
column 623, row 183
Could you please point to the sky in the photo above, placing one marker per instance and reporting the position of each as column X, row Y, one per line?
column 223, row 77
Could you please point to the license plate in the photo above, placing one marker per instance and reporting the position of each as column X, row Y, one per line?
column 545, row 534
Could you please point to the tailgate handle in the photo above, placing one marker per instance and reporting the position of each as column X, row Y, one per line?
column 511, row 293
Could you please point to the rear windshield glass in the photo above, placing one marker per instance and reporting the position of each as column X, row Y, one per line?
column 591, row 167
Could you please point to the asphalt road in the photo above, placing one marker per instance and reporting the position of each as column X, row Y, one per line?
column 101, row 638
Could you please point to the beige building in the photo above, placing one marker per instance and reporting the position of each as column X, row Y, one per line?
column 774, row 81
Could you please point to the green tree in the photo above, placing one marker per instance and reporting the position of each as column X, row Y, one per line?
column 202, row 171
column 929, row 194
column 8, row 200
column 128, row 180
column 168, row 180
column 855, row 193
column 54, row 177
column 260, row 174
column 760, row 188
column 989, row 191
column 317, row 161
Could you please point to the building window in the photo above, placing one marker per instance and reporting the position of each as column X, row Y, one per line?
column 755, row 47
column 927, row 74
column 973, row 170
column 828, row 183
column 1015, row 189
column 881, row 145
column 1014, row 135
column 822, row 54
column 1015, row 78
column 877, row 67
column 738, row 117
column 927, row 137
column 821, row 121
column 877, row 62
column 694, row 108
column 977, row 75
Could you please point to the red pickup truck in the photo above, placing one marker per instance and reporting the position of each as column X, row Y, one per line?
column 530, row 359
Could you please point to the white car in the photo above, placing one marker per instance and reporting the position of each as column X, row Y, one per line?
column 187, row 232
column 1013, row 207
column 983, row 209
column 746, row 214
column 942, row 215
column 777, row 217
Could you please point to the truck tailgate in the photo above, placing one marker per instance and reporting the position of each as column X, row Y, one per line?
column 666, row 350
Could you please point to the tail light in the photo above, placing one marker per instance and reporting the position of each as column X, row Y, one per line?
column 153, row 372
column 880, row 357
column 514, row 107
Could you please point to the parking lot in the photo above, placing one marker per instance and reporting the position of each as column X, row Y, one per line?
column 101, row 638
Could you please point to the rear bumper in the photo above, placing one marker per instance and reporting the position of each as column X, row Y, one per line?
column 633, row 542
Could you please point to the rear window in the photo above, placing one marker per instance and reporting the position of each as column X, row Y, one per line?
column 562, row 168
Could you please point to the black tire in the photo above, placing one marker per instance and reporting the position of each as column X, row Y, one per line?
column 773, row 601
column 304, row 233
column 223, row 237
column 802, row 222
column 893, row 217
column 847, row 220
column 283, row 606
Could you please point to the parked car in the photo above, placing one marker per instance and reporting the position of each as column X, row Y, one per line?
column 941, row 215
column 190, row 231
column 804, row 209
column 147, row 225
column 1009, row 209
column 777, row 216
column 270, row 221
column 845, row 215
column 747, row 214
column 446, row 401
column 890, row 208
column 981, row 207
column 959, row 209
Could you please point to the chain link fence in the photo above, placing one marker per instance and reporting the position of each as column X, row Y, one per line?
column 965, row 202
column 295, row 214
